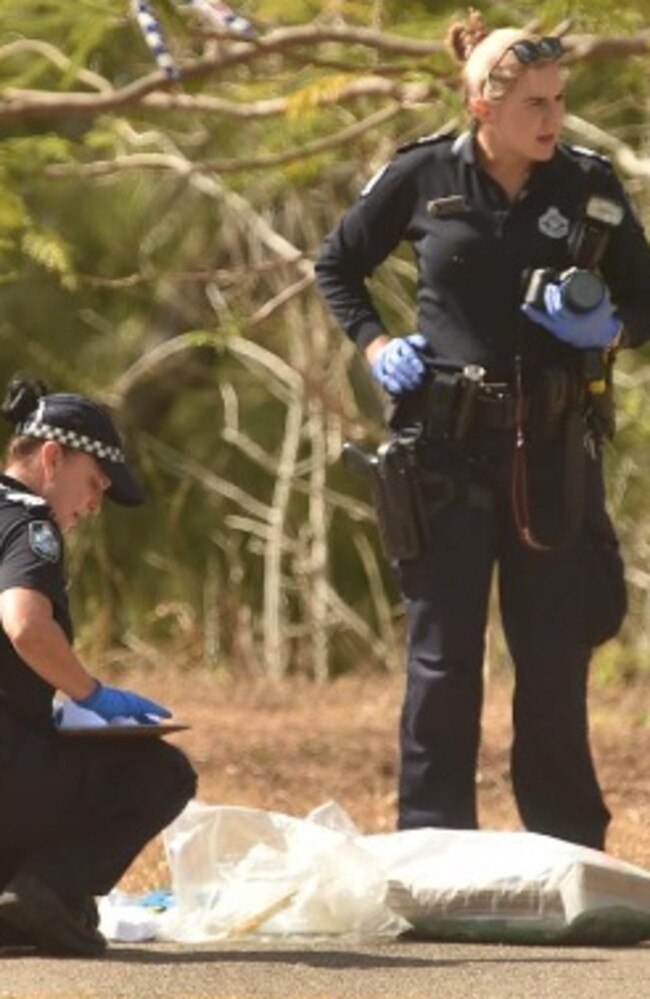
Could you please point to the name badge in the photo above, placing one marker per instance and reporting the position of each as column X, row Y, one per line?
column 454, row 204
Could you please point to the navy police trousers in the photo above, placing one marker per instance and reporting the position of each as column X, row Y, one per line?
column 77, row 811
column 555, row 606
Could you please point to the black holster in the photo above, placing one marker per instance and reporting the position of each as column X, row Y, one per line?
column 404, row 503
column 444, row 406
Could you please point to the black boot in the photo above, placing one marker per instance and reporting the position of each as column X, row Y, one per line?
column 33, row 909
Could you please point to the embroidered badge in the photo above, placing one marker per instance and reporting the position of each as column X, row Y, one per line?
column 43, row 541
column 553, row 223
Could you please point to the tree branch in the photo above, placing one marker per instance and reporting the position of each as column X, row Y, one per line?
column 225, row 276
column 16, row 104
column 406, row 94
column 593, row 48
column 57, row 58
column 284, row 296
column 283, row 38
column 624, row 156
column 187, row 468
column 162, row 161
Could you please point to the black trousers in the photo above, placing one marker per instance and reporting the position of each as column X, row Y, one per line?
column 555, row 605
column 76, row 812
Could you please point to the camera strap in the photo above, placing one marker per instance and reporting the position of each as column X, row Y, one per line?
column 574, row 465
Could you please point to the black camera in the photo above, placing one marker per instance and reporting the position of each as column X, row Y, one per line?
column 580, row 290
column 581, row 287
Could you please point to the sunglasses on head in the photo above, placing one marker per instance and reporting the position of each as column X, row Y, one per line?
column 528, row 51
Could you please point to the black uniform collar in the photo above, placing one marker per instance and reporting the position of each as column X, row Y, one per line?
column 464, row 147
column 17, row 490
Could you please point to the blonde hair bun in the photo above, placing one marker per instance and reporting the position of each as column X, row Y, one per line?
column 464, row 36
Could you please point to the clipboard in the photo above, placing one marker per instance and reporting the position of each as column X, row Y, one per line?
column 158, row 730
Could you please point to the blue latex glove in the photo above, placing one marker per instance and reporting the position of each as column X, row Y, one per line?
column 110, row 702
column 585, row 330
column 400, row 366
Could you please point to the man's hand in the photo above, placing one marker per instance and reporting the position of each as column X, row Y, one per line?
column 110, row 702
column 597, row 328
column 400, row 367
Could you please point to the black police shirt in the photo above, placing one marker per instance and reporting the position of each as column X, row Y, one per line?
column 474, row 247
column 31, row 557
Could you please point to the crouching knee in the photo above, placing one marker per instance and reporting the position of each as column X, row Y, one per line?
column 171, row 777
column 182, row 776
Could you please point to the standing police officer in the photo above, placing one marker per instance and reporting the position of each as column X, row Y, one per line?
column 483, row 211
column 75, row 811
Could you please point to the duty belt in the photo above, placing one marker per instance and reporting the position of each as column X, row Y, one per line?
column 494, row 409
column 544, row 413
column 456, row 401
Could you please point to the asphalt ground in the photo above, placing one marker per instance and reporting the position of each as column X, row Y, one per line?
column 402, row 969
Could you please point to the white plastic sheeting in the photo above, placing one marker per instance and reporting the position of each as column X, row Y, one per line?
column 241, row 871
column 236, row 871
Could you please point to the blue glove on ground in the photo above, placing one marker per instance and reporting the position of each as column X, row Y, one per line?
column 400, row 367
column 110, row 702
column 585, row 330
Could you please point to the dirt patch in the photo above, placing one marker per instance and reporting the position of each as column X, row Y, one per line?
column 290, row 747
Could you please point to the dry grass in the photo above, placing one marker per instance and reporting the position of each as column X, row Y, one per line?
column 290, row 747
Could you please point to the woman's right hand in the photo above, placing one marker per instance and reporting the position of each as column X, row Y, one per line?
column 398, row 364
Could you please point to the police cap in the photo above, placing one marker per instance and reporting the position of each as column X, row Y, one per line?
column 76, row 422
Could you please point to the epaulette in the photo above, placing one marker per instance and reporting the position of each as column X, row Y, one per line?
column 424, row 140
column 429, row 140
column 588, row 153
column 28, row 500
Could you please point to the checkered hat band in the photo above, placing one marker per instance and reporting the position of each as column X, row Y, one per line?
column 72, row 439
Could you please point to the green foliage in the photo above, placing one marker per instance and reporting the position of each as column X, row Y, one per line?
column 47, row 249
column 13, row 213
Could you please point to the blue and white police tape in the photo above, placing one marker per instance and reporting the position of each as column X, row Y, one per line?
column 152, row 33
column 219, row 15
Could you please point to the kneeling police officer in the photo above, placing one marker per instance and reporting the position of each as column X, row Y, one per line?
column 493, row 401
column 75, row 812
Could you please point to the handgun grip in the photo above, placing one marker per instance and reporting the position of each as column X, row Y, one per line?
column 358, row 460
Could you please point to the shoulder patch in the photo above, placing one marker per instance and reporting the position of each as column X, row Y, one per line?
column 443, row 135
column 44, row 541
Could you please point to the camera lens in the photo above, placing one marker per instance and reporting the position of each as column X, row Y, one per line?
column 582, row 290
